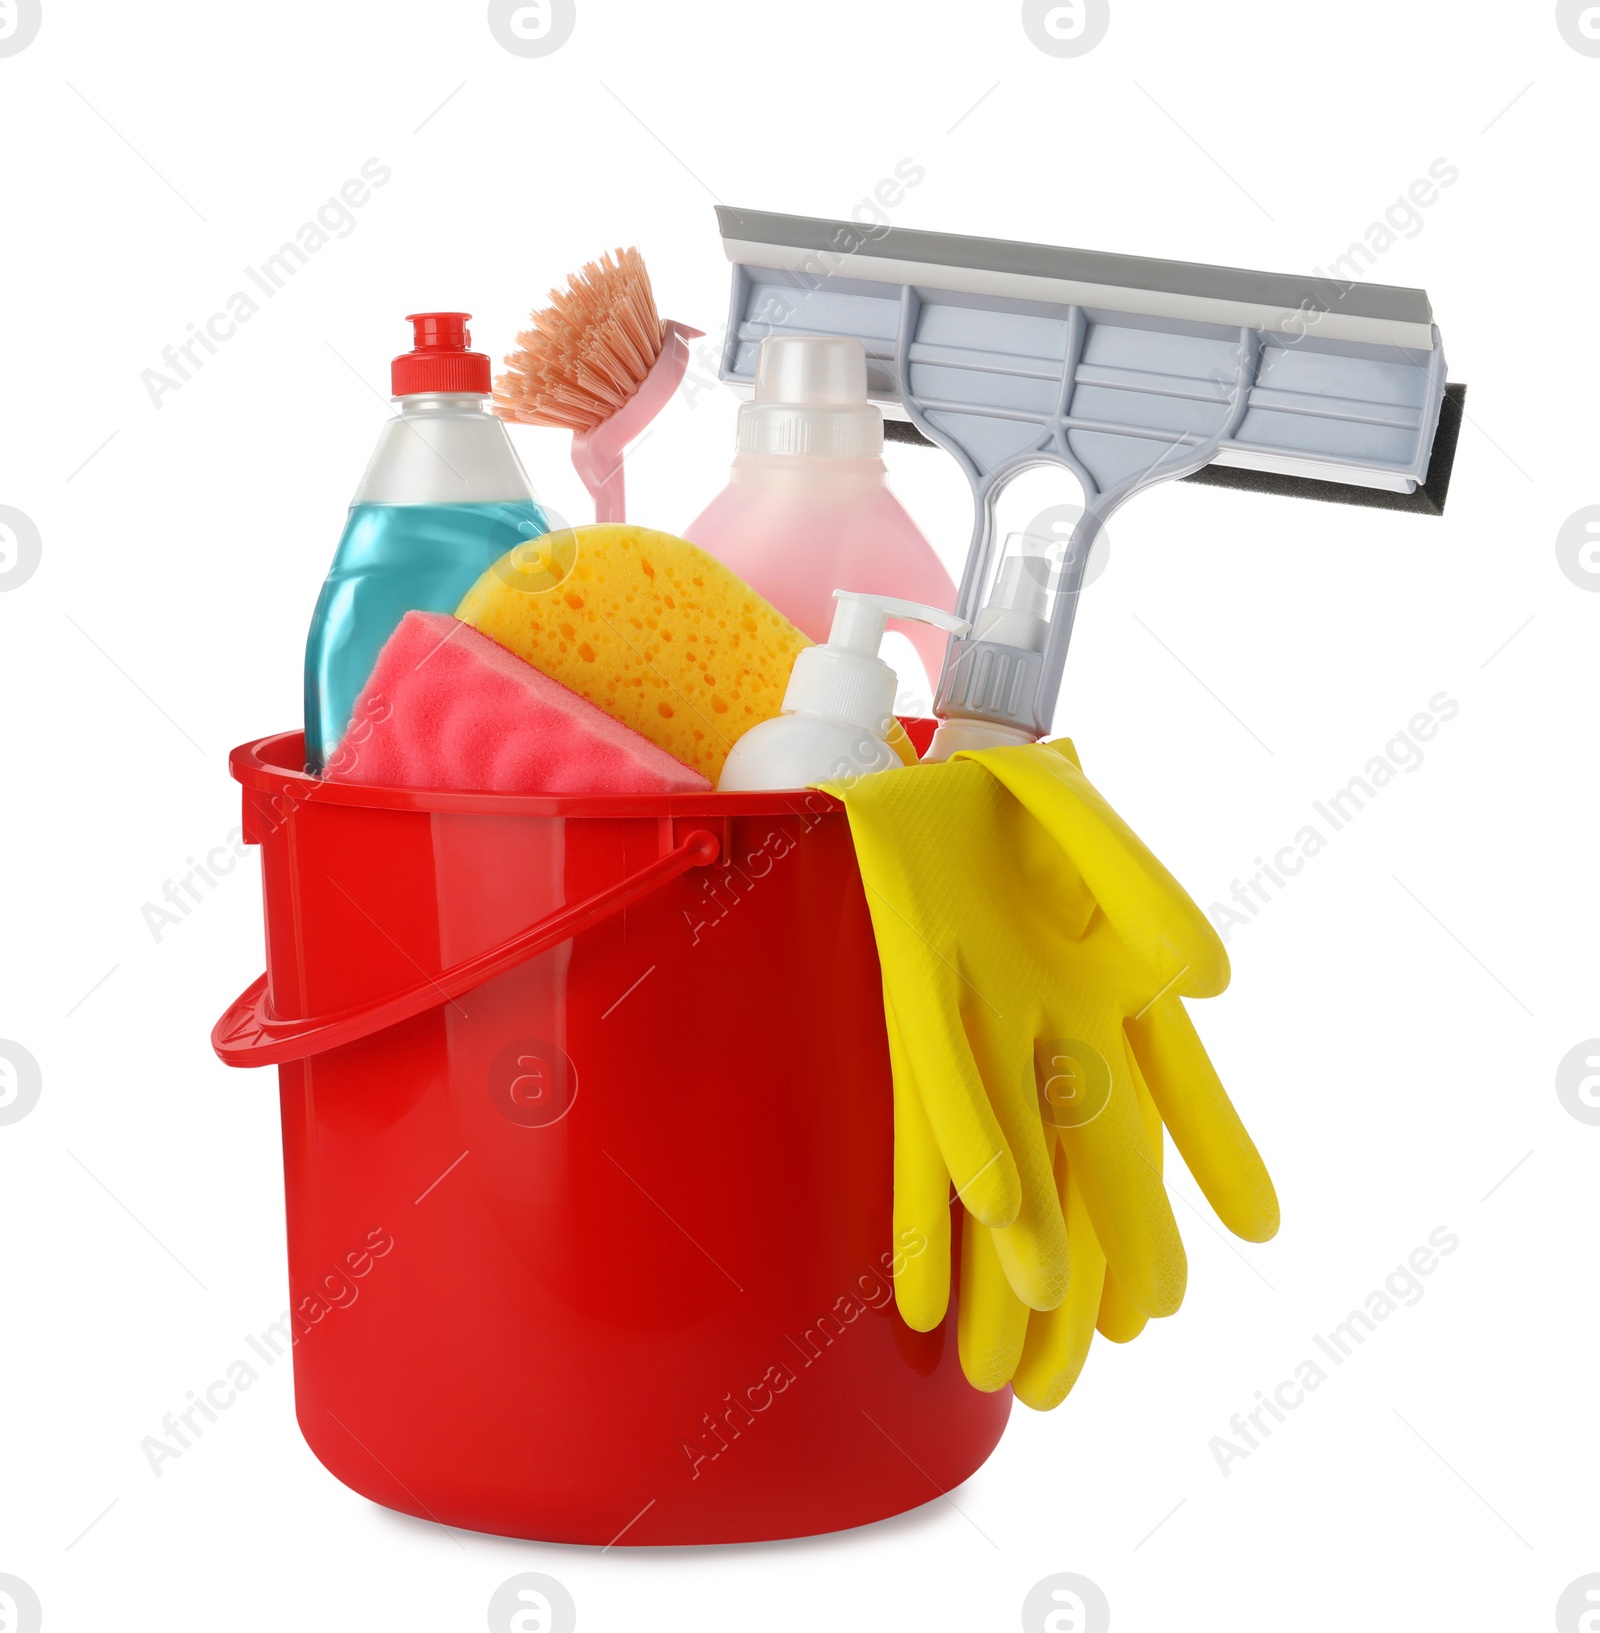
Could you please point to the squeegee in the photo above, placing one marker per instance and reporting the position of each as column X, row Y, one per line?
column 1124, row 370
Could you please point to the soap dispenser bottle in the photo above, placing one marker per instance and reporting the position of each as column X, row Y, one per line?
column 839, row 705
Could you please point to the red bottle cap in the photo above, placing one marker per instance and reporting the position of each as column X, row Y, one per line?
column 441, row 360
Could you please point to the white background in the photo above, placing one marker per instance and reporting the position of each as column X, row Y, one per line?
column 1396, row 1016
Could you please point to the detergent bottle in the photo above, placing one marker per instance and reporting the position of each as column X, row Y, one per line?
column 443, row 498
column 808, row 506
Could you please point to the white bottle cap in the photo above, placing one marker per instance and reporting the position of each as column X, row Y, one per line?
column 811, row 398
column 846, row 679
column 1016, row 611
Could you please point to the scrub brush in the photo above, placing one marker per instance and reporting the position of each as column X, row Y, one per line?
column 599, row 361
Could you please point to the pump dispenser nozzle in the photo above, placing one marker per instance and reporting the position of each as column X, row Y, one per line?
column 839, row 705
column 846, row 678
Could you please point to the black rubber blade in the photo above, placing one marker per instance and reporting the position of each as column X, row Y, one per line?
column 905, row 431
column 1425, row 500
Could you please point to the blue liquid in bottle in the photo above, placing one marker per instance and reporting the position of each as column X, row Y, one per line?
column 443, row 498
column 394, row 559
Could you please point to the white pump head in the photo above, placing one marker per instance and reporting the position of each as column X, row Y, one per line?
column 846, row 679
column 811, row 398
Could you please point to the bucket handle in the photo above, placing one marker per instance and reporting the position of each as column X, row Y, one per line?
column 251, row 1034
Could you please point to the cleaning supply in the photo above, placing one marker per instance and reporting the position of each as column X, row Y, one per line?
column 838, row 708
column 447, row 708
column 1122, row 370
column 570, row 1027
column 808, row 504
column 600, row 362
column 443, row 496
column 647, row 627
column 1016, row 616
column 1034, row 957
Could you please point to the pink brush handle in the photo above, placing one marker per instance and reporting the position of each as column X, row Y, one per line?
column 597, row 452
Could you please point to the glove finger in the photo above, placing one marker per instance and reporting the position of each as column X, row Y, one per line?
column 991, row 1321
column 1033, row 1249
column 1200, row 1117
column 1058, row 1340
column 927, row 1001
column 1119, row 1318
column 1118, row 1168
column 921, row 1199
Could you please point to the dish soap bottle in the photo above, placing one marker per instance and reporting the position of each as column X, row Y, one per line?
column 808, row 506
column 839, row 704
column 443, row 498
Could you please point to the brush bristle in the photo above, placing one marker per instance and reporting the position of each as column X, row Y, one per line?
column 587, row 352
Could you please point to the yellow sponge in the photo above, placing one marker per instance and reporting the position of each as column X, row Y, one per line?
column 647, row 627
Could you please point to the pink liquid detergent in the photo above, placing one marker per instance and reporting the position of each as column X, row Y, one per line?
column 807, row 509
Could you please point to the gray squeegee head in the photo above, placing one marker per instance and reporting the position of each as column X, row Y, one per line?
column 1126, row 371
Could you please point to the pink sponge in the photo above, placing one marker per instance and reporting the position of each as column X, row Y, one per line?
column 446, row 707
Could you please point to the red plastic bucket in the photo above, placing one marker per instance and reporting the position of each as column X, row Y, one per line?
column 587, row 1151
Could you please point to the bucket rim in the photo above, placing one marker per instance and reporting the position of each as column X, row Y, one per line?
column 275, row 765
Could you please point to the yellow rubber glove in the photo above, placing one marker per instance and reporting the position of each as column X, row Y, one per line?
column 1034, row 955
